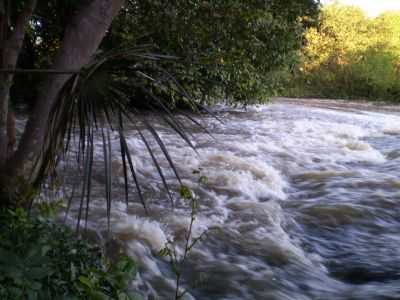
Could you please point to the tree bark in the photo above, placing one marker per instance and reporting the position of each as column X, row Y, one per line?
column 4, row 99
column 11, row 47
column 11, row 132
column 81, row 40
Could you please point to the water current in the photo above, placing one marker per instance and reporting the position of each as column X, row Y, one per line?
column 304, row 196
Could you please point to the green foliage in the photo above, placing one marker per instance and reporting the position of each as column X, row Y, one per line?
column 351, row 56
column 176, row 261
column 237, row 50
column 234, row 50
column 185, row 192
column 41, row 260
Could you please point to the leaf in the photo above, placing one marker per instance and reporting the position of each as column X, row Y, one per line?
column 73, row 271
column 122, row 296
column 163, row 252
column 97, row 295
column 160, row 172
column 132, row 169
column 37, row 273
column 127, row 266
column 185, row 192
column 9, row 258
column 203, row 179
column 36, row 286
column 85, row 281
column 16, row 292
column 32, row 295
column 45, row 249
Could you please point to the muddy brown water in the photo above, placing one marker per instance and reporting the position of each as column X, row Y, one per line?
column 305, row 194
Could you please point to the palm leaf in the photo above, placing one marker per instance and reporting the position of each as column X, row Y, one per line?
column 101, row 99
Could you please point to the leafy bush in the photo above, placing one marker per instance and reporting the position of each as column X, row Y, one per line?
column 42, row 260
column 350, row 56
column 233, row 50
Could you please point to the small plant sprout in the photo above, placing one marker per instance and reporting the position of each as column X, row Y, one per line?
column 178, row 262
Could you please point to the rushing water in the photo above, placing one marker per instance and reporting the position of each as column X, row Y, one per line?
column 305, row 199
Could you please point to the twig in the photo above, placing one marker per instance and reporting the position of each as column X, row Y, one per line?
column 35, row 71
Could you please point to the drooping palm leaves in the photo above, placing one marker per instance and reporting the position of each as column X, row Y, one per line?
column 107, row 95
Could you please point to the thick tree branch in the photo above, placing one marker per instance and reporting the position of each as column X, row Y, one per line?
column 43, row 71
column 82, row 37
column 14, row 43
column 12, row 46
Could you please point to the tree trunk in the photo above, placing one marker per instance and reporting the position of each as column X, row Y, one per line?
column 11, row 47
column 81, row 39
column 11, row 132
column 4, row 99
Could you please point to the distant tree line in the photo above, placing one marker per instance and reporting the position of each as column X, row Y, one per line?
column 350, row 56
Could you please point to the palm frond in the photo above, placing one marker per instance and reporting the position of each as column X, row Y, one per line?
column 105, row 96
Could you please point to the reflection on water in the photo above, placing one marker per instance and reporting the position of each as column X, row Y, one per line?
column 305, row 198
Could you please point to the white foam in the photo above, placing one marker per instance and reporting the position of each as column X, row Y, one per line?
column 247, row 177
column 248, row 166
column 127, row 226
column 142, row 229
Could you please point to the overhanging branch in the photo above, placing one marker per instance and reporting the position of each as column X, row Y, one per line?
column 36, row 71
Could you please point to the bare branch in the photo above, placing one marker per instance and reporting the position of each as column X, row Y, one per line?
column 33, row 71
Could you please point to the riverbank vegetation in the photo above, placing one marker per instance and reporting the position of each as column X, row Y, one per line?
column 42, row 260
column 351, row 56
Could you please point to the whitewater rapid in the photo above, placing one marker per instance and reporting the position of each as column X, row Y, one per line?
column 302, row 202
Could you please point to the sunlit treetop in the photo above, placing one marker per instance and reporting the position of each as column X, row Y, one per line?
column 372, row 8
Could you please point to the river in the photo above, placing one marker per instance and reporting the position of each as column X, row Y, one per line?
column 304, row 196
